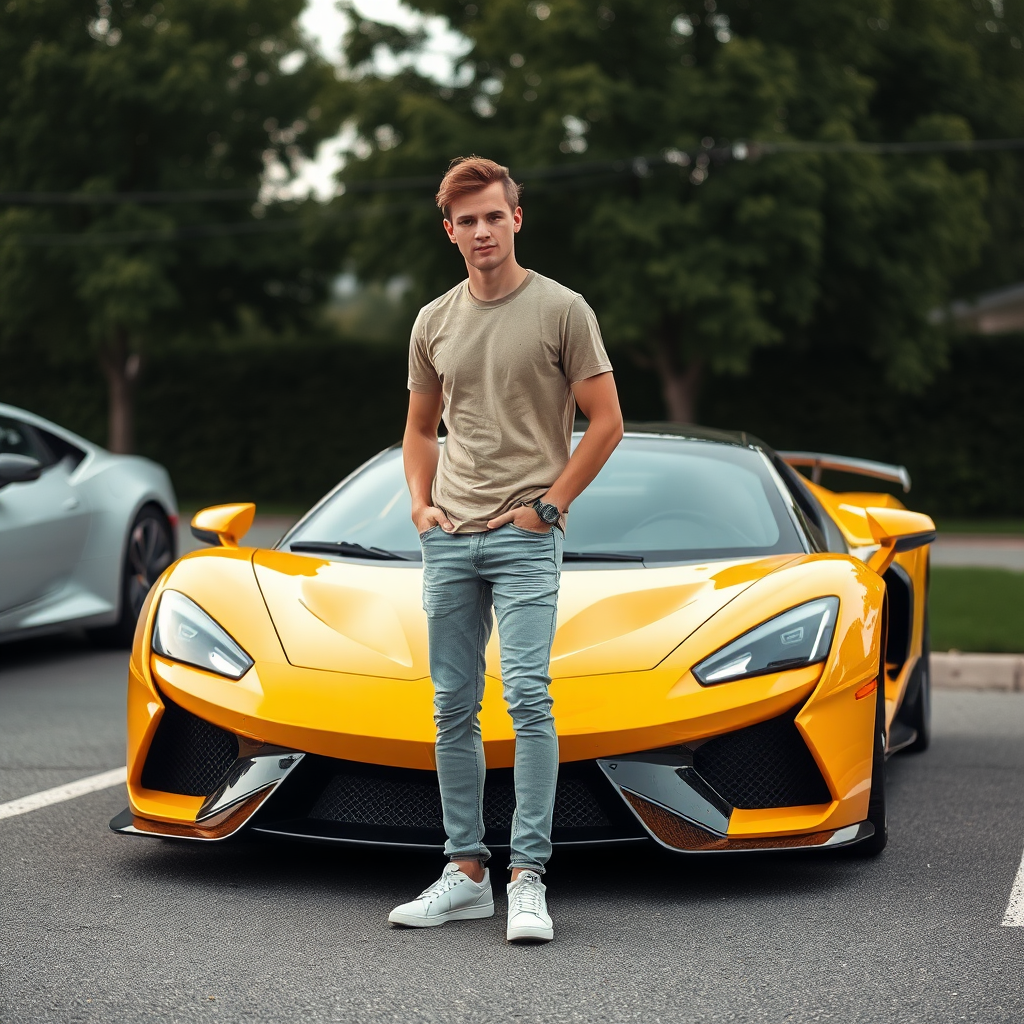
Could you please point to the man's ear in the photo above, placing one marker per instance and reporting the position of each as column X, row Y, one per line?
column 450, row 229
column 517, row 218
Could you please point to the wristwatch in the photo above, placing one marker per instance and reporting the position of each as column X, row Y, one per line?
column 549, row 513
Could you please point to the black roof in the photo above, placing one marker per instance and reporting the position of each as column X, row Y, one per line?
column 739, row 438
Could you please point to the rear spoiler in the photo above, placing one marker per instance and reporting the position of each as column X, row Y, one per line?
column 862, row 467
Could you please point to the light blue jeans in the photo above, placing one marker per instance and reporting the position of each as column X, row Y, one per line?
column 517, row 571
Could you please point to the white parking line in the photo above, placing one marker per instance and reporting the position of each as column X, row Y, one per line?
column 61, row 793
column 1014, row 916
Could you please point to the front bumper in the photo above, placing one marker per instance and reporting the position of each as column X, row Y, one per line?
column 688, row 797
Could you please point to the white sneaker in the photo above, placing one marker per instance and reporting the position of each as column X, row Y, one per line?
column 453, row 897
column 528, row 918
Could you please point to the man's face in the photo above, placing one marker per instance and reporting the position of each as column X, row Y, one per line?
column 483, row 226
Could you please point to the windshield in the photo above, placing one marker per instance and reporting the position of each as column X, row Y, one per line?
column 663, row 499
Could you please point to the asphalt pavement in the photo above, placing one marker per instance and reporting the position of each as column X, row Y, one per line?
column 96, row 927
column 979, row 551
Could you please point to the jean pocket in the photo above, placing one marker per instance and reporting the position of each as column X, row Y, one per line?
column 530, row 533
column 427, row 533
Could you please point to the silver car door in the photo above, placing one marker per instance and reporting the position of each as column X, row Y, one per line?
column 43, row 524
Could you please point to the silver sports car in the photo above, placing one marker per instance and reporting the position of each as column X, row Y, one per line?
column 83, row 532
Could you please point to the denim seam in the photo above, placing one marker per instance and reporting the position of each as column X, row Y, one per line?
column 531, row 533
column 527, row 866
column 479, row 694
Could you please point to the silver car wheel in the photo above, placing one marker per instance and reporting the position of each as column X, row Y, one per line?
column 149, row 553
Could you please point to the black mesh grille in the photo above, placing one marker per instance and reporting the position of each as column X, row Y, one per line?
column 367, row 800
column 575, row 807
column 415, row 802
column 764, row 765
column 188, row 755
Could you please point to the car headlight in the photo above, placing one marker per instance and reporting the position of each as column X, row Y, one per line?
column 184, row 632
column 801, row 636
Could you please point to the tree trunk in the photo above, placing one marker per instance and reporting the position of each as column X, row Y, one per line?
column 679, row 387
column 121, row 368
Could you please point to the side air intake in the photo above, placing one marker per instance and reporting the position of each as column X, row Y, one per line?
column 188, row 755
column 764, row 765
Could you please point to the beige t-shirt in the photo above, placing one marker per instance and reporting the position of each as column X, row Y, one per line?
column 504, row 369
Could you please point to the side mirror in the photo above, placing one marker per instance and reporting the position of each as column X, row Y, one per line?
column 18, row 469
column 223, row 525
column 897, row 530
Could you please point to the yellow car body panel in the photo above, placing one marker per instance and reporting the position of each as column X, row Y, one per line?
column 848, row 510
column 388, row 719
column 341, row 666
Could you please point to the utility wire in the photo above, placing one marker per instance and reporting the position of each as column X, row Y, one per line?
column 739, row 150
column 639, row 166
column 189, row 232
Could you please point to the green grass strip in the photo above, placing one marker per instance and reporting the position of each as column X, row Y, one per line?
column 977, row 610
column 1013, row 527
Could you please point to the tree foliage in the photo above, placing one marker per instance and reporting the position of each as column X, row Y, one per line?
column 696, row 262
column 133, row 96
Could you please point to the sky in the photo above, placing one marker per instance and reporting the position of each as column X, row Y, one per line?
column 325, row 25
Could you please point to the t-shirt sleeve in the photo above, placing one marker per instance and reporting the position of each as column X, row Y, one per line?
column 583, row 351
column 422, row 375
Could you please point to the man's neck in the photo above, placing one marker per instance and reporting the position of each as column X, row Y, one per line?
column 491, row 285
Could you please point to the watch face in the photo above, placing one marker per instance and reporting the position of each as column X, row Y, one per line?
column 549, row 513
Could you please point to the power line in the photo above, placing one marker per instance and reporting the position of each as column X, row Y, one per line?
column 738, row 150
column 115, row 198
column 639, row 166
column 929, row 146
column 190, row 232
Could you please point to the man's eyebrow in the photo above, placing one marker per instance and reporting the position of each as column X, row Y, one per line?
column 498, row 212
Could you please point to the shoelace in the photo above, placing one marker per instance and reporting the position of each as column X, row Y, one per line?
column 445, row 883
column 527, row 897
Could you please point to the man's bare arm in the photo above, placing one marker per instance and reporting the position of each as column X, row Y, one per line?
column 599, row 402
column 420, row 452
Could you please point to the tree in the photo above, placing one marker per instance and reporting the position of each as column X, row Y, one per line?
column 701, row 256
column 189, row 99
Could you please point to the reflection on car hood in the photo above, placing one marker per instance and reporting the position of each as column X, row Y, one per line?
column 369, row 620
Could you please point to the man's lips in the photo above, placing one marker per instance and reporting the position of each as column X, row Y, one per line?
column 485, row 248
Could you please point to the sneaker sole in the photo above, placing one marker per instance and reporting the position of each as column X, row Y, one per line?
column 466, row 914
column 529, row 936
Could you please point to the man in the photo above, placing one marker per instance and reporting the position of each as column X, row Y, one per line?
column 505, row 357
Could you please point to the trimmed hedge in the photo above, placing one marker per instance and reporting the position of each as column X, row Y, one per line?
column 284, row 423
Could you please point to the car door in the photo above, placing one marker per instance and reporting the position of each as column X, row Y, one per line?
column 43, row 523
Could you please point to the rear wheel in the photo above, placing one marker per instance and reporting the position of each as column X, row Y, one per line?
column 918, row 714
column 876, row 801
column 148, row 551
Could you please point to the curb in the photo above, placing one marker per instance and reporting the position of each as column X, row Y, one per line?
column 956, row 671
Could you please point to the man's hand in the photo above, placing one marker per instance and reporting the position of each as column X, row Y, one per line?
column 524, row 517
column 429, row 516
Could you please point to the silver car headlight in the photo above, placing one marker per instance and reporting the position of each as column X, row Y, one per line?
column 184, row 632
column 801, row 636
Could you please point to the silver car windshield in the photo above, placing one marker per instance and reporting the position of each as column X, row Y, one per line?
column 657, row 498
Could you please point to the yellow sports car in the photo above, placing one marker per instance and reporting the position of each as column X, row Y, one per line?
column 737, row 651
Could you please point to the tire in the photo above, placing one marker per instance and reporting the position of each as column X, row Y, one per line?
column 149, row 549
column 876, row 801
column 918, row 714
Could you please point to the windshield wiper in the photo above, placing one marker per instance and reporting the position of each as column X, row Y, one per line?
column 344, row 547
column 599, row 556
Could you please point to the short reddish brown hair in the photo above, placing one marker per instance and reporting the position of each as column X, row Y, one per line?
column 468, row 174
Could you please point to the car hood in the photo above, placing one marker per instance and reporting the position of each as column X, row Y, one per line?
column 369, row 619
